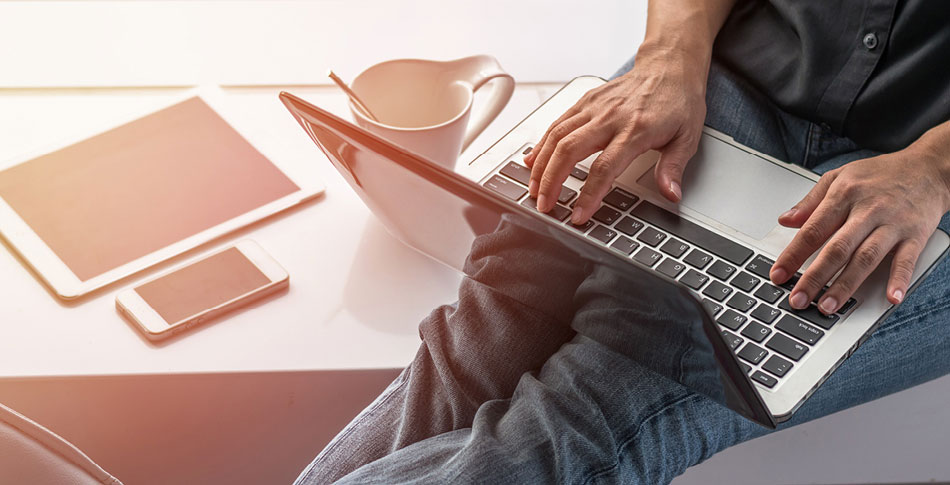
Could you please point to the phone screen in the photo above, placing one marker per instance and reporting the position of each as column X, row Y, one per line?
column 202, row 285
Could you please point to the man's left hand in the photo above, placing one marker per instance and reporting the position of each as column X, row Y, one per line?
column 860, row 213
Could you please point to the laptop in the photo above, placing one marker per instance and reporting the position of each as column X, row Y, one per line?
column 701, row 266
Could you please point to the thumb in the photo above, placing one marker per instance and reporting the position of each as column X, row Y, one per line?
column 800, row 212
column 669, row 169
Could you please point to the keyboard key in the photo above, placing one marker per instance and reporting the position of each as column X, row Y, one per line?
column 671, row 267
column 760, row 266
column 606, row 215
column 756, row 332
column 621, row 199
column 769, row 293
column 764, row 379
column 628, row 226
column 688, row 231
column 731, row 320
column 752, row 353
column 777, row 366
column 566, row 195
column 583, row 227
column 558, row 212
column 731, row 339
column 698, row 259
column 602, row 234
column 799, row 329
column 717, row 291
column 648, row 257
column 625, row 245
column 651, row 236
column 721, row 270
column 744, row 281
column 847, row 306
column 765, row 313
column 579, row 174
column 741, row 302
column 786, row 346
column 506, row 187
column 811, row 314
column 674, row 248
column 517, row 172
column 712, row 307
column 745, row 367
column 694, row 279
column 527, row 150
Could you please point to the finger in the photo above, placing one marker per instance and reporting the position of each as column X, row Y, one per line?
column 902, row 269
column 800, row 212
column 550, row 143
column 533, row 154
column 603, row 171
column 573, row 148
column 839, row 251
column 669, row 169
column 825, row 220
column 867, row 256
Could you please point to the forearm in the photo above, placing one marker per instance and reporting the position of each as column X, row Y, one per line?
column 934, row 146
column 685, row 30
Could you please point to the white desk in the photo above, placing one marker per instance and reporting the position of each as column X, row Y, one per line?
column 356, row 294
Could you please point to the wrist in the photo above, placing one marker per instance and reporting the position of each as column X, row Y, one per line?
column 934, row 148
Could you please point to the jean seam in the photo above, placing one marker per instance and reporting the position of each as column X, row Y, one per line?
column 930, row 310
column 633, row 437
column 368, row 412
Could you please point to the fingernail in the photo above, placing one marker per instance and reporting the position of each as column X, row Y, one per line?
column 799, row 300
column 542, row 203
column 576, row 216
column 533, row 188
column 829, row 304
column 899, row 295
column 675, row 188
column 788, row 213
column 778, row 275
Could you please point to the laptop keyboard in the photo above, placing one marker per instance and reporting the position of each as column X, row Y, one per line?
column 731, row 280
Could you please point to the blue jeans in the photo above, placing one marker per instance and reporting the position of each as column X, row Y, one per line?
column 512, row 383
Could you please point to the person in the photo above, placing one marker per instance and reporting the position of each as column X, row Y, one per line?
column 522, row 380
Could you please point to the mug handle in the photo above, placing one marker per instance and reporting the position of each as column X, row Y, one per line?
column 476, row 72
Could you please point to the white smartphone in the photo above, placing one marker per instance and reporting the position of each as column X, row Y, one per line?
column 202, row 290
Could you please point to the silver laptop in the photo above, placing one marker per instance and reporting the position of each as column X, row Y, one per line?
column 703, row 262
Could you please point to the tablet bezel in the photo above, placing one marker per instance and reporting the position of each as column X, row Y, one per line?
column 56, row 275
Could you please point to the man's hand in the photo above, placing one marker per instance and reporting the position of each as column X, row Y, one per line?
column 860, row 213
column 658, row 105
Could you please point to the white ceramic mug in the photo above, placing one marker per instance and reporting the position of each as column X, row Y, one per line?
column 425, row 106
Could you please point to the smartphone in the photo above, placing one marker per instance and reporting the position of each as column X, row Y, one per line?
column 202, row 290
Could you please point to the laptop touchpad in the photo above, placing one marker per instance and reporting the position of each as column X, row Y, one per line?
column 736, row 188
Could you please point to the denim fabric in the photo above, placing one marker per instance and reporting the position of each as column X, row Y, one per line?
column 517, row 383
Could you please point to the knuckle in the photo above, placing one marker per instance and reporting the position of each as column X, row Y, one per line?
column 601, row 171
column 812, row 235
column 837, row 250
column 566, row 147
column 810, row 283
column 559, row 131
column 868, row 255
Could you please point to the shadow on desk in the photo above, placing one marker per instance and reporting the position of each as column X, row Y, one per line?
column 240, row 428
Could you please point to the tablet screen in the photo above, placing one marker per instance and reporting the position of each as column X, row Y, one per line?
column 133, row 190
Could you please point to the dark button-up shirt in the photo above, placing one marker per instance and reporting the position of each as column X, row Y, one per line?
column 876, row 71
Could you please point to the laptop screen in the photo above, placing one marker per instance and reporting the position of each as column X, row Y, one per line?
column 522, row 259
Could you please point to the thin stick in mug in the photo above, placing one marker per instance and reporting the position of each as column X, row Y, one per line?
column 353, row 97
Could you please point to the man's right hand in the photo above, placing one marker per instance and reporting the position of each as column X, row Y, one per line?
column 660, row 104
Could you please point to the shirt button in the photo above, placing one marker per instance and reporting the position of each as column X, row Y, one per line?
column 870, row 41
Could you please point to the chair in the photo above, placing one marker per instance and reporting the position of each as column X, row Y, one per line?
column 30, row 453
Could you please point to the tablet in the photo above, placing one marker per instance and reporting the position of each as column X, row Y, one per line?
column 99, row 210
